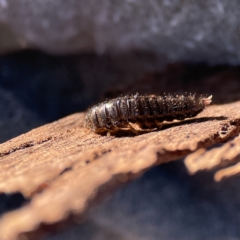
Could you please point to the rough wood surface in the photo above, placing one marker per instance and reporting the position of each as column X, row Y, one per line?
column 62, row 168
column 225, row 156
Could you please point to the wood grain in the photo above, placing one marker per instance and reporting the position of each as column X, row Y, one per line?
column 63, row 169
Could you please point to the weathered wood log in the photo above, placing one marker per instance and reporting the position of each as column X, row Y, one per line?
column 62, row 168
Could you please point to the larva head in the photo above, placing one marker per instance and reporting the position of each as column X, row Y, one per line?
column 88, row 122
column 90, row 119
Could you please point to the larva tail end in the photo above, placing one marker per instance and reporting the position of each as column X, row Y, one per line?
column 207, row 101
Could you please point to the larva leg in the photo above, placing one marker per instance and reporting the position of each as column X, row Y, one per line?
column 158, row 124
column 136, row 127
column 127, row 129
column 111, row 133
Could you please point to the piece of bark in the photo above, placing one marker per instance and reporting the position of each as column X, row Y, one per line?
column 62, row 168
column 220, row 156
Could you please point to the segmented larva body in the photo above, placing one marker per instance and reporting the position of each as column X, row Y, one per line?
column 143, row 113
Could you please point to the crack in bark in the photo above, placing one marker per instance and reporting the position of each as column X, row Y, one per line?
column 24, row 146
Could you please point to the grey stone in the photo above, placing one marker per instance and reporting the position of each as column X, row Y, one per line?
column 174, row 30
column 14, row 118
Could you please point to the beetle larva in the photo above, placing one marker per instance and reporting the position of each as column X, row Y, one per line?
column 143, row 113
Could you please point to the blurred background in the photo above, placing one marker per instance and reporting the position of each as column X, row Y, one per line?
column 60, row 57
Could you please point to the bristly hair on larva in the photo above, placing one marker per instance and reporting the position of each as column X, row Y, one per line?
column 143, row 113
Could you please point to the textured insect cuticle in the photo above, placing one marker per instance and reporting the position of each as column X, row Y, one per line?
column 146, row 112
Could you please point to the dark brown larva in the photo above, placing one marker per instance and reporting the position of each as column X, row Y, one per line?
column 143, row 113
